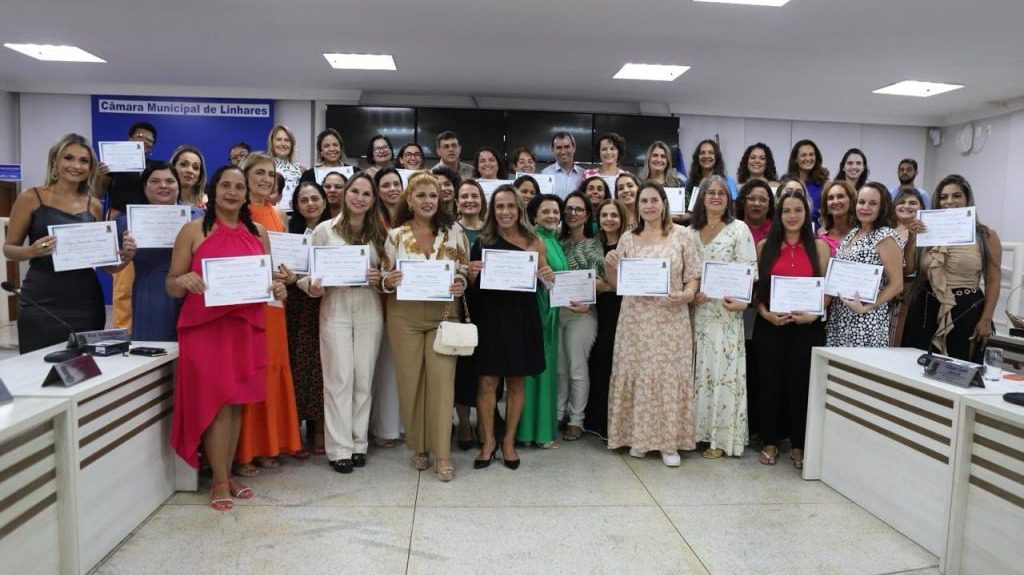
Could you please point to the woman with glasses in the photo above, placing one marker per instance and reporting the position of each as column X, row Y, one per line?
column 410, row 157
column 379, row 154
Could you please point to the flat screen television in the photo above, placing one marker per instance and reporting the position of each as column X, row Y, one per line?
column 535, row 130
column 476, row 128
column 357, row 124
column 639, row 132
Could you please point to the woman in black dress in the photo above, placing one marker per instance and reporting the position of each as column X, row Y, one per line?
column 511, row 345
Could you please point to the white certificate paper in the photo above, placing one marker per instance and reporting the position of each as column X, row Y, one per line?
column 509, row 270
column 426, row 280
column 791, row 294
column 676, row 200
column 845, row 279
column 237, row 280
column 127, row 156
column 156, row 226
column 578, row 286
column 405, row 174
column 546, row 182
column 339, row 265
column 952, row 227
column 320, row 172
column 490, row 185
column 86, row 245
column 723, row 279
column 693, row 200
column 291, row 250
column 643, row 276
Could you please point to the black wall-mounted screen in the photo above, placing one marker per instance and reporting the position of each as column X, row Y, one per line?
column 639, row 132
column 476, row 128
column 357, row 124
column 535, row 130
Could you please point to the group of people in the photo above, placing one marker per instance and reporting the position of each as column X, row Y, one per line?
column 359, row 365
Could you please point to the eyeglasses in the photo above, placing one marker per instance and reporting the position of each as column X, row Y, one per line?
column 716, row 193
column 141, row 137
column 412, row 155
column 381, row 149
column 238, row 156
column 575, row 210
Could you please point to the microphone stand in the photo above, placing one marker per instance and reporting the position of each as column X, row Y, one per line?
column 72, row 350
column 931, row 363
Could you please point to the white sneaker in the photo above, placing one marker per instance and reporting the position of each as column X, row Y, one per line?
column 671, row 459
column 634, row 452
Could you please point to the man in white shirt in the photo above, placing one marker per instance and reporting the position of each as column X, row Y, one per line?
column 449, row 149
column 906, row 171
column 567, row 174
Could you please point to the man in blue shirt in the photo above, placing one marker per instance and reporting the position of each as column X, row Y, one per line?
column 907, row 173
column 567, row 174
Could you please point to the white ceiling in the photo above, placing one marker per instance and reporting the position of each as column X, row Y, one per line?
column 812, row 59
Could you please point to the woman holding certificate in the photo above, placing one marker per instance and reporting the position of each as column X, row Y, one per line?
column 720, row 368
column 907, row 201
column 859, row 316
column 351, row 324
column 948, row 286
column 650, row 404
column 222, row 349
column 154, row 314
column 190, row 165
column 787, row 328
column 426, row 379
column 504, row 306
column 269, row 428
column 471, row 205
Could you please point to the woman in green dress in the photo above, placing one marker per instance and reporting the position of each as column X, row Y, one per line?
column 539, row 421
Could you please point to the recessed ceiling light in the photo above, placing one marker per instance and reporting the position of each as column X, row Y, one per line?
column 658, row 72
column 916, row 88
column 361, row 61
column 51, row 53
column 749, row 2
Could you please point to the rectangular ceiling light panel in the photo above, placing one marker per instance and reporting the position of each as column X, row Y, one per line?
column 775, row 3
column 656, row 72
column 361, row 61
column 917, row 88
column 51, row 53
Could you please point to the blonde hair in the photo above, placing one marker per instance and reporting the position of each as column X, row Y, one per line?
column 57, row 149
column 291, row 138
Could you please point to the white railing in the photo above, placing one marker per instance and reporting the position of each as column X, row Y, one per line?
column 4, row 296
column 1011, row 292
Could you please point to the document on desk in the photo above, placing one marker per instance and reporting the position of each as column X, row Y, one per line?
column 156, row 226
column 128, row 156
column 723, row 279
column 579, row 286
column 803, row 294
column 425, row 280
column 509, row 270
column 85, row 245
column 676, row 200
column 339, row 265
column 950, row 227
column 643, row 277
column 844, row 279
column 291, row 250
column 237, row 280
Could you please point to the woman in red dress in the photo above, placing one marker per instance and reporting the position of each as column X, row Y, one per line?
column 214, row 380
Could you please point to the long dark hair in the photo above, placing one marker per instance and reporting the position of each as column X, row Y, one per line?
column 773, row 243
column 697, row 173
column 863, row 178
column 700, row 212
column 156, row 166
column 297, row 223
column 377, row 177
column 770, row 172
column 745, row 191
column 588, row 228
column 818, row 173
column 374, row 230
column 886, row 209
column 499, row 159
column 211, row 210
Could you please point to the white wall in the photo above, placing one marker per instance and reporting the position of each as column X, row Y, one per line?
column 44, row 119
column 9, row 128
column 298, row 116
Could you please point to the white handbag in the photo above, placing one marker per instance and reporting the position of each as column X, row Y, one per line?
column 455, row 338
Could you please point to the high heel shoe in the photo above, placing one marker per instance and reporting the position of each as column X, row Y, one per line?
column 466, row 444
column 486, row 462
column 445, row 470
column 512, row 464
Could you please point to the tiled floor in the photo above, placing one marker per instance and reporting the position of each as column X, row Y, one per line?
column 577, row 509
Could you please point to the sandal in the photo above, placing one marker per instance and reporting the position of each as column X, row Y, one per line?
column 239, row 491
column 301, row 455
column 421, row 461
column 318, row 443
column 767, row 458
column 245, row 470
column 572, row 433
column 268, row 462
column 444, row 469
column 713, row 453
column 221, row 503
column 797, row 458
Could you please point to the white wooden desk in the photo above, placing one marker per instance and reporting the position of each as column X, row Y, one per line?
column 885, row 436
column 986, row 533
column 122, row 465
column 36, row 488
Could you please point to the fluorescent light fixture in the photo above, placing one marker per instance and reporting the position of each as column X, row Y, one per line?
column 775, row 3
column 916, row 88
column 51, row 53
column 657, row 72
column 361, row 61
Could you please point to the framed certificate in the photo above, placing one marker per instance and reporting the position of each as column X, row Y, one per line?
column 425, row 280
column 156, row 226
column 844, row 279
column 237, row 280
column 85, row 245
column 643, row 277
column 578, row 286
column 339, row 265
column 676, row 200
column 291, row 250
column 802, row 294
column 722, row 279
column 129, row 156
column 509, row 270
column 951, row 227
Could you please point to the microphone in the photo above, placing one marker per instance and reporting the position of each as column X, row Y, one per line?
column 926, row 358
column 55, row 356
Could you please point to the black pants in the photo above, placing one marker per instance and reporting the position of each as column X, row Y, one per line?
column 923, row 320
column 783, row 356
column 753, row 421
